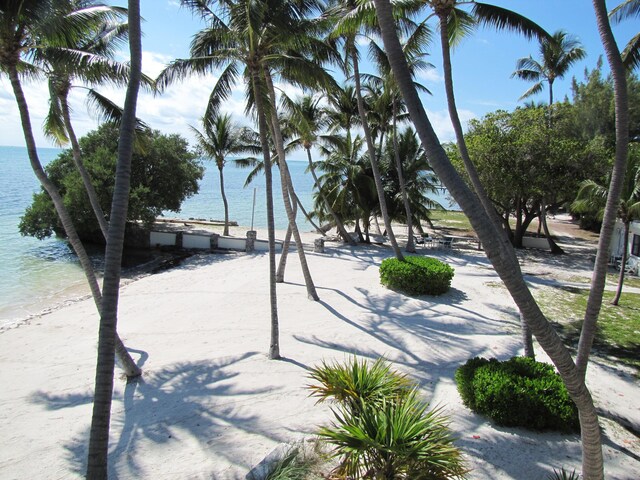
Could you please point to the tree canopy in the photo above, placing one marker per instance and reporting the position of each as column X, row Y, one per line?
column 164, row 173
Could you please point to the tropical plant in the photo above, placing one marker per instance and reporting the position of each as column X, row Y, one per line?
column 97, row 463
column 557, row 55
column 219, row 139
column 628, row 9
column 382, row 428
column 416, row 275
column 27, row 28
column 592, row 197
column 500, row 252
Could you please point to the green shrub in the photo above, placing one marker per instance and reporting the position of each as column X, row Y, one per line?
column 416, row 275
column 517, row 392
column 382, row 429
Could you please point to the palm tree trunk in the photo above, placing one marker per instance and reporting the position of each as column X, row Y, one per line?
column 306, row 214
column 257, row 81
column 372, row 155
column 339, row 225
column 527, row 339
column 99, row 434
column 457, row 125
column 285, row 250
column 498, row 250
column 625, row 255
column 129, row 366
column 410, row 247
column 77, row 159
column 287, row 186
column 225, row 232
column 594, row 302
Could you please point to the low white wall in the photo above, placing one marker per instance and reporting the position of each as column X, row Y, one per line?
column 190, row 240
column 541, row 243
column 232, row 243
column 263, row 246
column 162, row 239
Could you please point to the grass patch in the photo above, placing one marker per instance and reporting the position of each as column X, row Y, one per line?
column 618, row 333
column 628, row 281
column 450, row 219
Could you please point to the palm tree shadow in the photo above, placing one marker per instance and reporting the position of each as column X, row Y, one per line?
column 184, row 401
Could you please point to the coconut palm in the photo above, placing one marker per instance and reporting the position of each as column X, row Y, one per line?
column 342, row 109
column 307, row 119
column 592, row 197
column 557, row 55
column 629, row 9
column 26, row 29
column 219, row 139
column 99, row 433
column 501, row 253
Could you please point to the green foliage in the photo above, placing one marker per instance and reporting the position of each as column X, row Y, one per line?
column 517, row 392
column 297, row 464
column 416, row 275
column 562, row 474
column 163, row 174
column 382, row 429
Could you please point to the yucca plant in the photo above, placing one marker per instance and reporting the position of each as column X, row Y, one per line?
column 562, row 474
column 382, row 429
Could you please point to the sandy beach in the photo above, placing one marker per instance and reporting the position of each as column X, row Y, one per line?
column 212, row 405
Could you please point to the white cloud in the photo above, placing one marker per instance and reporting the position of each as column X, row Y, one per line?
column 430, row 75
column 442, row 123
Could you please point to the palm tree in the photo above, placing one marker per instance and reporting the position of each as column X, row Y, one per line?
column 99, row 433
column 631, row 53
column 499, row 251
column 592, row 197
column 219, row 139
column 350, row 18
column 557, row 55
column 307, row 119
column 25, row 30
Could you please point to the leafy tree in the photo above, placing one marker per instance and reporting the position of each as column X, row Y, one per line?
column 162, row 176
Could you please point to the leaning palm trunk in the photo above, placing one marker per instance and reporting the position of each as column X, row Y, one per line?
column 296, row 199
column 285, row 250
column 225, row 232
column 553, row 246
column 410, row 247
column 99, row 434
column 372, row 157
column 256, row 80
column 129, row 366
column 77, row 159
column 287, row 186
column 457, row 125
column 339, row 225
column 594, row 302
column 498, row 250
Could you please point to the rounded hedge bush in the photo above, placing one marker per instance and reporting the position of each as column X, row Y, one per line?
column 519, row 392
column 416, row 275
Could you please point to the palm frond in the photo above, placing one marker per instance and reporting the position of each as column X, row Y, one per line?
column 631, row 53
column 505, row 19
column 627, row 9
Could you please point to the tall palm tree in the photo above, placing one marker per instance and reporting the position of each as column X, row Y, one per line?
column 557, row 55
column 307, row 119
column 219, row 139
column 27, row 28
column 499, row 251
column 350, row 18
column 628, row 9
column 99, row 433
column 592, row 196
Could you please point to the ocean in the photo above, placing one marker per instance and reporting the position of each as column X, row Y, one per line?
column 34, row 274
column 37, row 273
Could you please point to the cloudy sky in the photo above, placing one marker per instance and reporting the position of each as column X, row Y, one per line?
column 482, row 65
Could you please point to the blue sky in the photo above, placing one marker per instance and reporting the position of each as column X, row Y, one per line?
column 482, row 65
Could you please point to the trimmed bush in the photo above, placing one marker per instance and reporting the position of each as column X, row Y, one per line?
column 416, row 275
column 519, row 392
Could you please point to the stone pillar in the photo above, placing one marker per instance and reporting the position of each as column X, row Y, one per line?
column 214, row 241
column 179, row 240
column 251, row 241
column 318, row 245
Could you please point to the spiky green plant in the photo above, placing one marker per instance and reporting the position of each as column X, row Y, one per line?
column 562, row 474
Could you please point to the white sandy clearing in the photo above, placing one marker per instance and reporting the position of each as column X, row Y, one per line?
column 211, row 405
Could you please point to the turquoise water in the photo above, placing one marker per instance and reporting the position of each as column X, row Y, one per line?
column 34, row 274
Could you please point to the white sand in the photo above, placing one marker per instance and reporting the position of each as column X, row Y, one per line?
column 211, row 405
